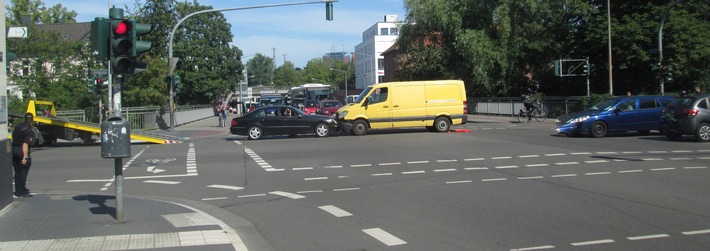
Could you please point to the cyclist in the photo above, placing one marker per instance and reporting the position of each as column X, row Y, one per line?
column 529, row 100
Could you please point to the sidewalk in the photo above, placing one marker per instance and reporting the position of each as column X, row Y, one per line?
column 87, row 222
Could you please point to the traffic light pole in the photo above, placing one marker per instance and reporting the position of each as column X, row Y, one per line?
column 329, row 16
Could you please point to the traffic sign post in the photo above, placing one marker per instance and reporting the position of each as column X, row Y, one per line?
column 573, row 68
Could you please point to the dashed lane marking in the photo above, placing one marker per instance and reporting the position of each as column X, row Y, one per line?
column 594, row 242
column 384, row 237
column 335, row 211
column 162, row 182
column 646, row 237
column 235, row 188
column 288, row 195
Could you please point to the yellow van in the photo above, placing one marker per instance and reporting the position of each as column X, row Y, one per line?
column 435, row 104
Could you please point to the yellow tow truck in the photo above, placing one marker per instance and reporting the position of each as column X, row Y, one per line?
column 52, row 127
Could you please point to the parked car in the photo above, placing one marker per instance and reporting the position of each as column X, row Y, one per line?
column 618, row 114
column 329, row 107
column 281, row 120
column 310, row 107
column 687, row 116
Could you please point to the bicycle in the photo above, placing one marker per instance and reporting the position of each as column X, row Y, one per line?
column 539, row 112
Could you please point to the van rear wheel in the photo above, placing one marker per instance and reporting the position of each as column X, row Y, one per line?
column 360, row 127
column 442, row 124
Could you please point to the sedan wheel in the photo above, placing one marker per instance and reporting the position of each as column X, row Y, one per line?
column 598, row 129
column 322, row 130
column 702, row 134
column 255, row 132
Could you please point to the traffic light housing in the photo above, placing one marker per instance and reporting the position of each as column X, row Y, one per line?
column 91, row 85
column 100, row 38
column 329, row 11
column 120, row 42
column 99, row 86
column 138, row 47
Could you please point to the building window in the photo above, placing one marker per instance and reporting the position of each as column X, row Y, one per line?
column 380, row 64
column 384, row 31
column 393, row 31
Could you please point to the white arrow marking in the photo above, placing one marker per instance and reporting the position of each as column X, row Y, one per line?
column 152, row 169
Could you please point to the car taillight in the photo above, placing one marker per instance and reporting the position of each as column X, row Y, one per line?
column 465, row 107
column 690, row 112
column 234, row 122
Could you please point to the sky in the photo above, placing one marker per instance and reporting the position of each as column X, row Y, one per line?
column 299, row 33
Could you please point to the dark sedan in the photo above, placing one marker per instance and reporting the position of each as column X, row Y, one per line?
column 281, row 120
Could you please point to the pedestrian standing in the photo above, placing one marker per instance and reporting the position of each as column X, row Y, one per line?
column 22, row 138
column 698, row 90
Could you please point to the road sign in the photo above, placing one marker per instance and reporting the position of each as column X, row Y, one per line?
column 20, row 32
column 99, row 72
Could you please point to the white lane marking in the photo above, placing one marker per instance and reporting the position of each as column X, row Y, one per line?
column 97, row 180
column 333, row 167
column 554, row 154
column 651, row 159
column 384, row 237
column 215, row 198
column 389, row 164
column 316, row 178
column 152, row 169
column 534, row 248
column 606, row 152
column 695, row 167
column 414, row 172
column 288, row 195
column 418, row 162
column 346, row 189
column 251, row 195
column 646, row 237
column 529, row 156
column 683, row 158
column 505, row 167
column 581, row 153
column 633, row 152
column 302, row 168
column 380, row 174
column 599, row 173
column 657, row 151
column 475, row 168
column 663, row 169
column 530, row 178
column 596, row 242
column 566, row 163
column 704, row 231
column 335, row 211
column 595, row 161
column 311, row 191
column 498, row 179
column 563, row 175
column 130, row 161
column 702, row 157
column 459, row 182
column 474, row 159
column 703, row 151
column 682, row 151
column 445, row 160
column 631, row 171
column 236, row 188
column 162, row 182
column 537, row 165
column 160, row 176
column 445, row 170
column 361, row 165
column 503, row 157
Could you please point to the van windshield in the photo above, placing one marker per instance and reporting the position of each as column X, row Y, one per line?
column 362, row 94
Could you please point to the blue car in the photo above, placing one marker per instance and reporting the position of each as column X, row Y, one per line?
column 618, row 114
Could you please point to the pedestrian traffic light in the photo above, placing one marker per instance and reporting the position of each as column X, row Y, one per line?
column 121, row 45
column 99, row 86
column 91, row 85
column 100, row 38
column 329, row 11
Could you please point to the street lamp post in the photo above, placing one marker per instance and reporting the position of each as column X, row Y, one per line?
column 345, row 75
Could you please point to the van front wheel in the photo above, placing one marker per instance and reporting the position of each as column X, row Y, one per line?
column 360, row 127
column 442, row 124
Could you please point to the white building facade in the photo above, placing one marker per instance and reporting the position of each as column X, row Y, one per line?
column 369, row 66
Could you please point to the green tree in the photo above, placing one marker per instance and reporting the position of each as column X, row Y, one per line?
column 163, row 16
column 37, row 13
column 262, row 68
column 317, row 71
column 149, row 87
column 209, row 66
column 286, row 75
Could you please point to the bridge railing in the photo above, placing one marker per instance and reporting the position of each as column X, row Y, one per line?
column 510, row 106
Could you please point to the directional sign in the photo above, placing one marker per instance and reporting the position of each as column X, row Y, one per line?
column 20, row 32
column 99, row 72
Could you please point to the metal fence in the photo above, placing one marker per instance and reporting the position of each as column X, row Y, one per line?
column 510, row 106
column 79, row 115
column 147, row 118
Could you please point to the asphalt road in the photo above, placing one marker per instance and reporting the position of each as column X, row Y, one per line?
column 501, row 186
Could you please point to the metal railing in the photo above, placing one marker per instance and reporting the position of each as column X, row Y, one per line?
column 148, row 118
column 510, row 106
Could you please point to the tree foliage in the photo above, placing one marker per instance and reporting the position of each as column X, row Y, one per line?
column 36, row 13
column 260, row 69
column 286, row 75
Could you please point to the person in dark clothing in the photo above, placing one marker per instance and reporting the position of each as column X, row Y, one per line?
column 22, row 138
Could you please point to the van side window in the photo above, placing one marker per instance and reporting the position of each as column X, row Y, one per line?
column 378, row 96
column 647, row 103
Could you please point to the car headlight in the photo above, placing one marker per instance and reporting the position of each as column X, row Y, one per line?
column 343, row 114
column 578, row 119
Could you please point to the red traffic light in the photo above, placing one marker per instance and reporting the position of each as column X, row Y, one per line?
column 122, row 27
column 98, row 81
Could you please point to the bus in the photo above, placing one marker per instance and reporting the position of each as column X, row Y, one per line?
column 316, row 92
column 271, row 99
